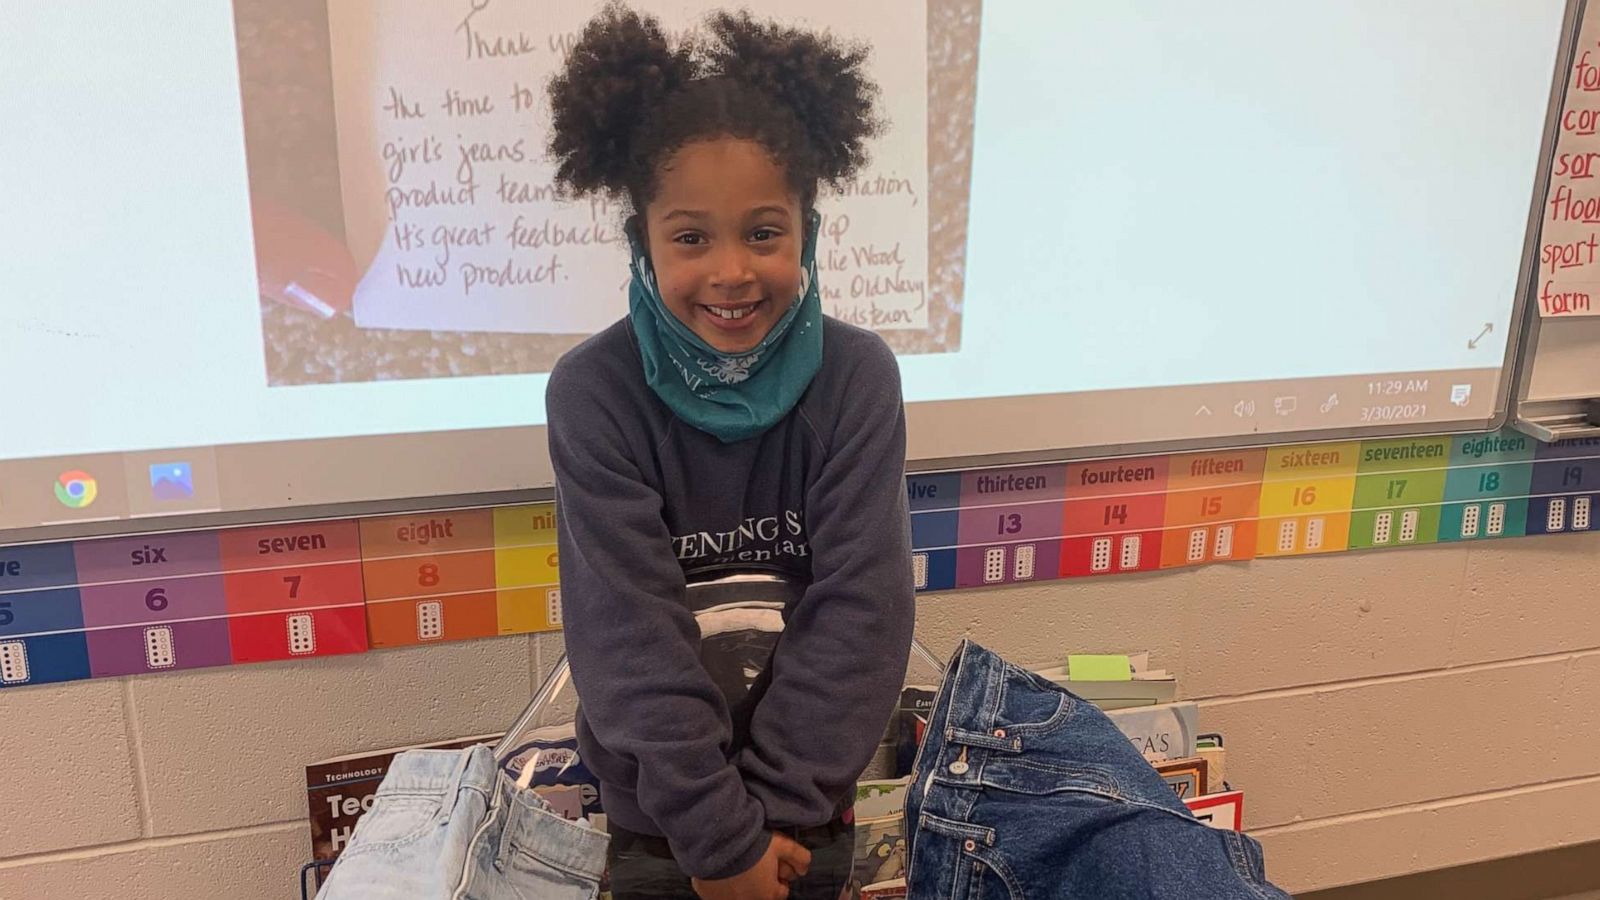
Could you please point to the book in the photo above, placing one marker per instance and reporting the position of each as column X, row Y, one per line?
column 1224, row 811
column 893, row 889
column 909, row 724
column 882, row 797
column 560, row 775
column 340, row 790
column 1216, row 768
column 880, row 851
column 1139, row 685
column 1162, row 732
column 1110, row 695
column 1187, row 777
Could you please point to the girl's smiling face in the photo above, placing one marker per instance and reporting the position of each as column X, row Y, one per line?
column 724, row 237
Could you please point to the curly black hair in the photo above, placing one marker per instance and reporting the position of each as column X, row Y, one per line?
column 626, row 100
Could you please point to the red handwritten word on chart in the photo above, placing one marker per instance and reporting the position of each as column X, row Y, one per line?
column 1555, row 259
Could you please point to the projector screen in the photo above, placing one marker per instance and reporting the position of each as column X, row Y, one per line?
column 275, row 258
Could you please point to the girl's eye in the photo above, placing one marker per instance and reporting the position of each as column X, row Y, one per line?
column 690, row 239
column 763, row 234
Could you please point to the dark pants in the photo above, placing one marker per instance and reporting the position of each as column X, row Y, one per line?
column 642, row 867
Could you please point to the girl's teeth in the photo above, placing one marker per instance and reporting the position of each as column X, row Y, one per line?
column 731, row 313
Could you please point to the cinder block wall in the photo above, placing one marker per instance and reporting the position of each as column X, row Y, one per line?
column 1386, row 713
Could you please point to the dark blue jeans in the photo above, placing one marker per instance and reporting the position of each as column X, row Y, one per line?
column 1023, row 790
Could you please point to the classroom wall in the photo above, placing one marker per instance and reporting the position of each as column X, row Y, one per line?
column 1385, row 712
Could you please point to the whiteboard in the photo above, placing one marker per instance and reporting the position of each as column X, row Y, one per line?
column 1093, row 228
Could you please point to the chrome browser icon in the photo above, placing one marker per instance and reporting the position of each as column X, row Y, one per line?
column 76, row 489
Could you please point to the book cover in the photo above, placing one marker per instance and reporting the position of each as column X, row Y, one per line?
column 1160, row 732
column 882, row 797
column 1216, row 768
column 1188, row 777
column 1224, row 811
column 340, row 790
column 908, row 725
column 893, row 889
column 1144, row 686
column 1109, row 695
column 880, row 851
column 560, row 775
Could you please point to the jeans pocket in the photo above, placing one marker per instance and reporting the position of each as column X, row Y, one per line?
column 394, row 820
column 966, row 859
column 534, row 879
column 1033, row 705
column 990, row 878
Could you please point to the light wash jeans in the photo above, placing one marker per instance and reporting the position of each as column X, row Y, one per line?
column 449, row 825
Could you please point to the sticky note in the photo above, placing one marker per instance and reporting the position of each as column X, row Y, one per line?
column 1099, row 667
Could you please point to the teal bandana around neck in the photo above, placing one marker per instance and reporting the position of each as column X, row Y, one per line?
column 730, row 397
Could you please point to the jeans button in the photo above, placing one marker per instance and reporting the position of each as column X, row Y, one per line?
column 959, row 767
column 971, row 846
column 999, row 732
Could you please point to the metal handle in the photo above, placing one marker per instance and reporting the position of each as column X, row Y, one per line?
column 551, row 686
column 919, row 651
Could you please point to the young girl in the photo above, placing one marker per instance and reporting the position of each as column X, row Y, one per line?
column 726, row 421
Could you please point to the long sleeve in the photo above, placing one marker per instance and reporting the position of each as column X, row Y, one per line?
column 634, row 647
column 841, row 660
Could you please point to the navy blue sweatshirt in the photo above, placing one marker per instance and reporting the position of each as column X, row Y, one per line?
column 644, row 498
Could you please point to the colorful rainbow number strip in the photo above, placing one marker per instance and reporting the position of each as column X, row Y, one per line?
column 128, row 606
column 154, row 603
column 1003, row 526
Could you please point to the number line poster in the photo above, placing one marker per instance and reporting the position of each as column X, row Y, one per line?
column 153, row 603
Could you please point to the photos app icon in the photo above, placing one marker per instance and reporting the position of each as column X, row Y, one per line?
column 171, row 481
